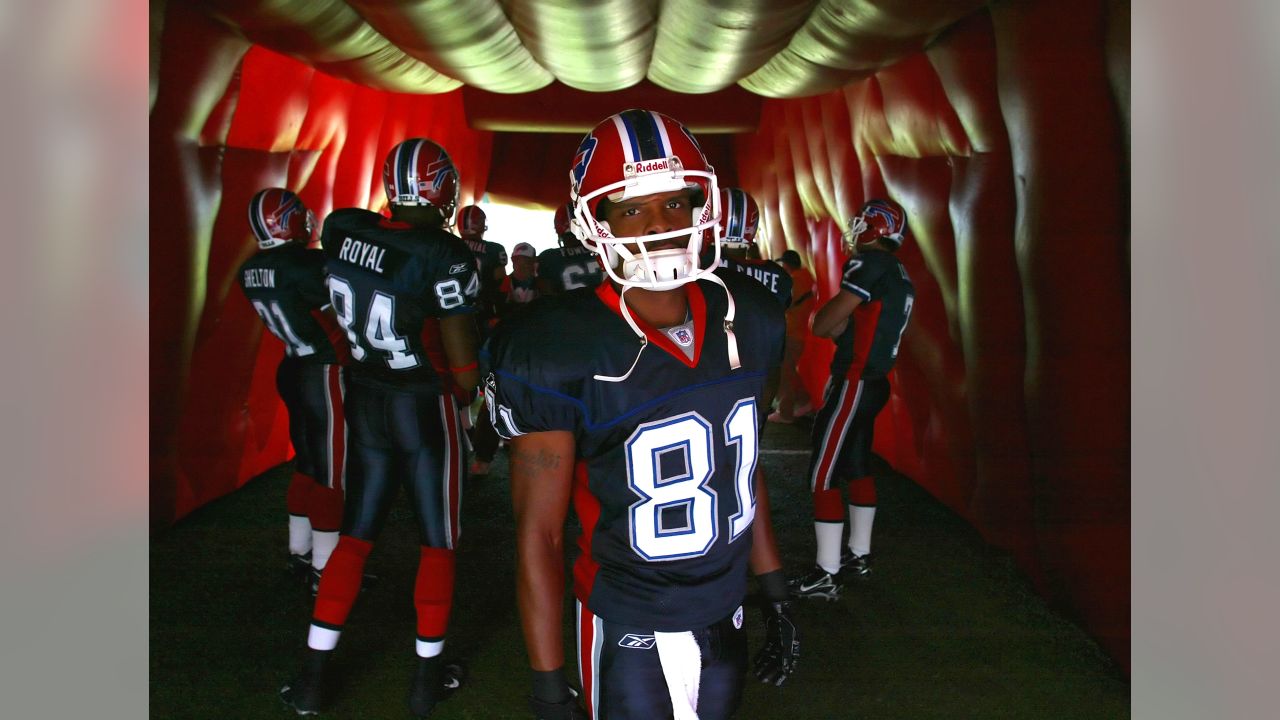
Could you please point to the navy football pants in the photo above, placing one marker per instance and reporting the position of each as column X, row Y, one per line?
column 843, row 428
column 313, row 396
column 410, row 439
column 622, row 678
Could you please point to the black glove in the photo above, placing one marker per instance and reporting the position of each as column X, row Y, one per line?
column 777, row 659
column 553, row 699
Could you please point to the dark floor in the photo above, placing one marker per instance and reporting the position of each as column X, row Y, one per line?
column 944, row 628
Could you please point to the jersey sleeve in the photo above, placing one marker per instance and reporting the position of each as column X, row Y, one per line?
column 521, row 396
column 861, row 273
column 453, row 284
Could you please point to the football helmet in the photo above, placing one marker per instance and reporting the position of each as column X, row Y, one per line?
column 633, row 154
column 878, row 219
column 471, row 221
column 278, row 216
column 419, row 172
column 739, row 219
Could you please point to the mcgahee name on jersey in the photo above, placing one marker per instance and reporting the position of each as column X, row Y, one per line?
column 362, row 254
column 764, row 277
column 259, row 278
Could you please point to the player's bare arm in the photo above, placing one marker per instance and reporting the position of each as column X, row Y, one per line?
column 541, row 482
column 458, row 333
column 832, row 318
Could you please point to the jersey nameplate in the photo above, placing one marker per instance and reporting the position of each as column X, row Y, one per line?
column 362, row 254
column 259, row 278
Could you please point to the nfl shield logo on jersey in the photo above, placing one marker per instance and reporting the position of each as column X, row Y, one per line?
column 683, row 336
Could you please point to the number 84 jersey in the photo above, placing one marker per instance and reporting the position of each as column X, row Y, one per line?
column 388, row 283
column 664, row 482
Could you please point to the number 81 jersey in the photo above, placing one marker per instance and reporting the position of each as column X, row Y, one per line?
column 664, row 481
column 387, row 282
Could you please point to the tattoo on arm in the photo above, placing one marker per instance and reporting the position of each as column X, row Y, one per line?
column 534, row 463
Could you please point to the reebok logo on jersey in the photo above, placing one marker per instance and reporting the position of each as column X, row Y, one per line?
column 636, row 642
column 460, row 267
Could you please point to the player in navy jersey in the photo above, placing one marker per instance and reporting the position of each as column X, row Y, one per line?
column 569, row 266
column 645, row 411
column 491, row 260
column 867, row 319
column 284, row 281
column 739, row 220
column 403, row 290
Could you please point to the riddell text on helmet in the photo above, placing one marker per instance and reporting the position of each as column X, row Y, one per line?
column 647, row 166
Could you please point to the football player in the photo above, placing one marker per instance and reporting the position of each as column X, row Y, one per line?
column 646, row 412
column 491, row 260
column 569, row 266
column 866, row 319
column 284, row 281
column 798, row 312
column 404, row 291
column 739, row 220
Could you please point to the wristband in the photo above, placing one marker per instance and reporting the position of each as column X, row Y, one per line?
column 773, row 585
column 472, row 366
column 550, row 686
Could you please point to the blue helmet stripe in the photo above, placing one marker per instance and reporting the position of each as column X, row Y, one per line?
column 255, row 216
column 646, row 143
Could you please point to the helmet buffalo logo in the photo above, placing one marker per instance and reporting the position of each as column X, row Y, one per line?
column 583, row 159
column 890, row 221
column 439, row 170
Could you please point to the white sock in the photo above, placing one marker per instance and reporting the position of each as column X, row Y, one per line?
column 322, row 545
column 428, row 648
column 861, row 518
column 320, row 638
column 299, row 535
column 829, row 535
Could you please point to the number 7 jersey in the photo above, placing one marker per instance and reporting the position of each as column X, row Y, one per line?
column 664, row 483
column 389, row 284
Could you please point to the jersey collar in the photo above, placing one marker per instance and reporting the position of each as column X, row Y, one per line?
column 697, row 310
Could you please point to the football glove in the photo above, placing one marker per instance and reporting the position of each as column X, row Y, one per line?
column 777, row 660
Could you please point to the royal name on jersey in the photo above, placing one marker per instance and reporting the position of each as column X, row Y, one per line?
column 388, row 282
column 665, row 480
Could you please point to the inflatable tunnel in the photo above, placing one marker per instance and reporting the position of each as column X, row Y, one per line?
column 1002, row 129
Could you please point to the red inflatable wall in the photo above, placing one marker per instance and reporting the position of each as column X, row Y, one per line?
column 1011, row 395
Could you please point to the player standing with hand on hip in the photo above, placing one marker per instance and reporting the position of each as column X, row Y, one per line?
column 646, row 413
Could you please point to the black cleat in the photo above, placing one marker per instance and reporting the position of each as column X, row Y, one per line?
column 855, row 565
column 817, row 584
column 305, row 693
column 299, row 565
column 433, row 682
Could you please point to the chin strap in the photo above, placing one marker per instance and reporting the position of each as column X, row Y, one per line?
column 644, row 340
column 730, row 338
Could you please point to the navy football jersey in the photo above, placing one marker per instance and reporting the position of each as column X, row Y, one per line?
column 564, row 269
column 665, row 479
column 489, row 257
column 869, row 344
column 286, row 287
column 388, row 283
column 768, row 273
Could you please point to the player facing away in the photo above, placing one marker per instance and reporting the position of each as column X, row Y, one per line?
column 285, row 283
column 569, row 266
column 739, row 220
column 403, row 290
column 866, row 319
column 645, row 413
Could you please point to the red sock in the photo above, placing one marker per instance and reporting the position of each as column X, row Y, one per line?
column 862, row 491
column 297, row 497
column 433, row 591
column 340, row 583
column 827, row 506
column 325, row 509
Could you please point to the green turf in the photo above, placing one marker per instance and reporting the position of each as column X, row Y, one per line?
column 944, row 627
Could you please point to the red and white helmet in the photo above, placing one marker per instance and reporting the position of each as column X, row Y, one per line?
column 879, row 219
column 419, row 172
column 278, row 216
column 739, row 219
column 471, row 221
column 633, row 154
